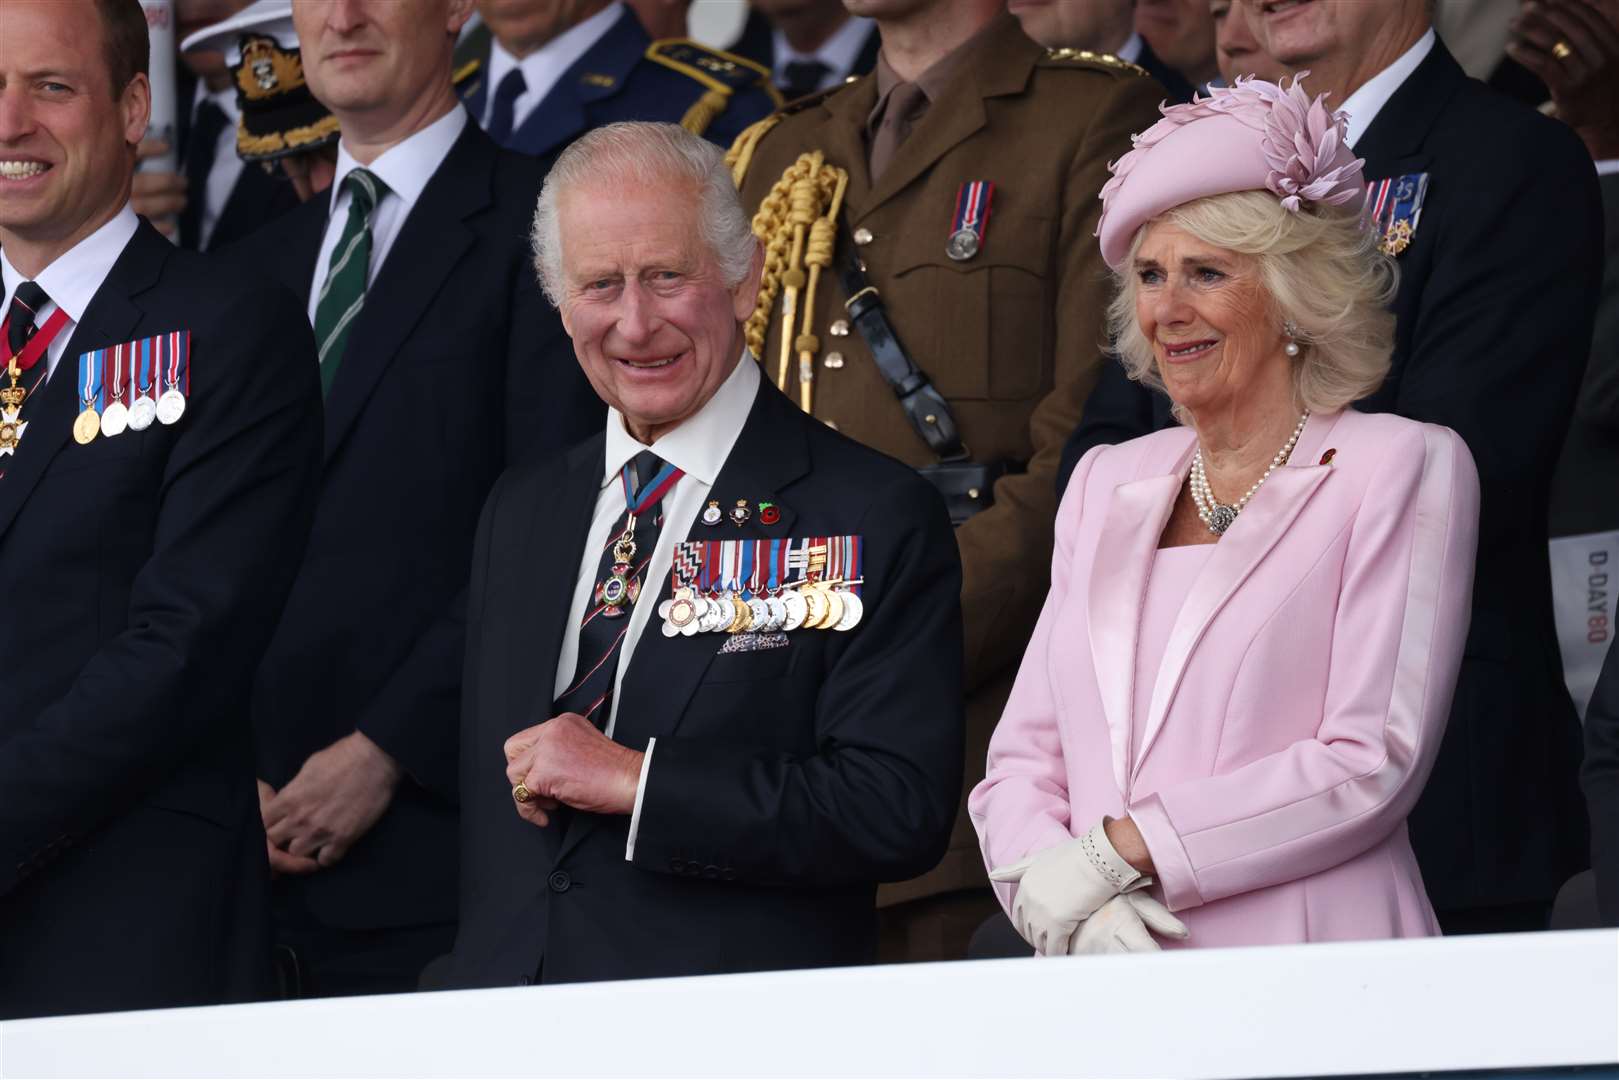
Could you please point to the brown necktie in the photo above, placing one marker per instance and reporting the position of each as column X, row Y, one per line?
column 906, row 104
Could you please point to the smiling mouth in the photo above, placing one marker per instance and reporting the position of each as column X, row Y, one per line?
column 22, row 170
column 1187, row 350
column 649, row 365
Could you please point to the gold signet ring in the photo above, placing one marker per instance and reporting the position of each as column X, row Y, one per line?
column 1562, row 51
column 521, row 793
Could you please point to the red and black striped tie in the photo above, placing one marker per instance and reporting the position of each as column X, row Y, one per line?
column 21, row 324
column 601, row 634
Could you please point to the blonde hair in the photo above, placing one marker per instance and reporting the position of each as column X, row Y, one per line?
column 1321, row 271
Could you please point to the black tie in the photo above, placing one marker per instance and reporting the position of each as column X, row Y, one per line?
column 206, row 128
column 601, row 635
column 501, row 115
column 28, row 300
column 802, row 77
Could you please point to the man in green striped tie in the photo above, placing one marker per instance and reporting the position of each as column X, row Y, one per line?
column 441, row 364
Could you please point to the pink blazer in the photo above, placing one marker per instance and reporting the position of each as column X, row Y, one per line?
column 1302, row 695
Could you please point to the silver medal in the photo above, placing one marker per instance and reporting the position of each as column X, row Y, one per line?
column 142, row 413
column 760, row 613
column 778, row 612
column 797, row 610
column 114, row 420
column 962, row 245
column 853, row 609
column 171, row 406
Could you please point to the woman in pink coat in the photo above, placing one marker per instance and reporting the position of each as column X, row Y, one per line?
column 1241, row 675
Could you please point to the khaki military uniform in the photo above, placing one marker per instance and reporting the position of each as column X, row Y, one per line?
column 1012, row 337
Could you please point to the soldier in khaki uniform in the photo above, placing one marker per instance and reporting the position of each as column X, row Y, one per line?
column 997, row 294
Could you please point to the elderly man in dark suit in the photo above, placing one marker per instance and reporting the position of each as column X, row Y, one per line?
column 441, row 367
column 713, row 682
column 1494, row 215
column 157, row 477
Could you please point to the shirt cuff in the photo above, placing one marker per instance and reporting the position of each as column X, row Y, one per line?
column 640, row 793
column 1607, row 167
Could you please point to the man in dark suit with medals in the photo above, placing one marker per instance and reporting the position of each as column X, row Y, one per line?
column 752, row 622
column 539, row 73
column 157, row 475
column 1491, row 341
column 441, row 366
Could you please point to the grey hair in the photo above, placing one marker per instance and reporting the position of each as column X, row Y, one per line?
column 1322, row 272
column 646, row 153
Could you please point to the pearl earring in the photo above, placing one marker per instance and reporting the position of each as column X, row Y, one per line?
column 1291, row 329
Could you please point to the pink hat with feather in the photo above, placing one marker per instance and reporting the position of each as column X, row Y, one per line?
column 1251, row 136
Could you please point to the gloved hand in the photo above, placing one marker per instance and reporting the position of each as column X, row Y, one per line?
column 1121, row 924
column 1060, row 887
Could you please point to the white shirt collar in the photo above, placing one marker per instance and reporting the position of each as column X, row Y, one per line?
column 1131, row 49
column 838, row 52
column 409, row 164
column 74, row 278
column 545, row 66
column 700, row 445
column 1365, row 103
column 225, row 99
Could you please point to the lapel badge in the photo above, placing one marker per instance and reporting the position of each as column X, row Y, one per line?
column 591, row 78
column 1326, row 459
column 713, row 515
column 769, row 513
column 740, row 513
column 1394, row 207
column 971, row 220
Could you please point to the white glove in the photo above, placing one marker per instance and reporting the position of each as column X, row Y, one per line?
column 1060, row 887
column 1120, row 926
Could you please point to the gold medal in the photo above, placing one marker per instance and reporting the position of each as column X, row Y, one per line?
column 86, row 427
column 834, row 609
column 814, row 606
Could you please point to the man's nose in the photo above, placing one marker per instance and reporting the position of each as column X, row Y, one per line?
column 636, row 319
column 16, row 116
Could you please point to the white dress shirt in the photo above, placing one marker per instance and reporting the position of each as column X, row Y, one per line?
column 73, row 280
column 1130, row 51
column 227, row 166
column 698, row 448
column 405, row 167
column 543, row 67
column 838, row 52
column 1364, row 104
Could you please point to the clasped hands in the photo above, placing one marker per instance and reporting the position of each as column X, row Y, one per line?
column 1081, row 896
column 567, row 761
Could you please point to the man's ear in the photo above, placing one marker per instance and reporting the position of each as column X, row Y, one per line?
column 460, row 11
column 136, row 103
column 745, row 295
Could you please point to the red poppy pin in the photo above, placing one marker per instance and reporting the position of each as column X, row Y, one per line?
column 768, row 513
column 1326, row 459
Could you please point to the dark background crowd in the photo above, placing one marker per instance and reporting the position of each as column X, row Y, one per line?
column 1507, row 332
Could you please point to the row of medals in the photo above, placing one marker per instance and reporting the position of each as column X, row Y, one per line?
column 819, row 605
column 136, row 417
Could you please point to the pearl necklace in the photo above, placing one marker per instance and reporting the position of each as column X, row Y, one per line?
column 1219, row 517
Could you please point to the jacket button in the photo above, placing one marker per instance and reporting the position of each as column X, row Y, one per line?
column 833, row 360
column 559, row 881
column 840, row 328
column 862, row 236
column 711, row 871
column 677, row 865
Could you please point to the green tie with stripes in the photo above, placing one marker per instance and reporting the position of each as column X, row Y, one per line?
column 343, row 295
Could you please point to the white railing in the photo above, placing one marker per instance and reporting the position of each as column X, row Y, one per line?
column 1508, row 1001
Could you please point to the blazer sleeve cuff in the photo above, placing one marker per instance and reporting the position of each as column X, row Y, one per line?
column 1171, row 866
column 640, row 796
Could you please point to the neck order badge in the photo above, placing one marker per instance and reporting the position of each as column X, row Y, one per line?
column 12, row 425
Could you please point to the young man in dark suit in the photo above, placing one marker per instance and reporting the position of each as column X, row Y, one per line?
column 1494, row 215
column 539, row 73
column 441, row 366
column 159, row 448
column 641, row 798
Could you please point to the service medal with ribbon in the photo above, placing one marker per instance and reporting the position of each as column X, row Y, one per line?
column 1394, row 207
column 971, row 220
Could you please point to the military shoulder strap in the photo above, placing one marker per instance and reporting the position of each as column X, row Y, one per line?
column 721, row 74
column 1100, row 61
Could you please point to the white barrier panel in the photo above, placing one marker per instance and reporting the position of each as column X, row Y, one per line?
column 1508, row 1001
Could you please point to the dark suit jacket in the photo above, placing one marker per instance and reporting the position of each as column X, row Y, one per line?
column 455, row 368
column 612, row 80
column 1590, row 458
column 785, row 782
column 1493, row 331
column 757, row 42
column 1600, row 778
column 142, row 575
column 1180, row 91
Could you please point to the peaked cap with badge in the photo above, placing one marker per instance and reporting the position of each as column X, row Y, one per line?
column 977, row 244
column 280, row 115
column 628, row 76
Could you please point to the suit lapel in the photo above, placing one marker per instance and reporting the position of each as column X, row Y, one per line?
column 1000, row 64
column 1136, row 515
column 111, row 319
column 1263, row 522
column 1401, row 126
column 429, row 246
column 603, row 71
